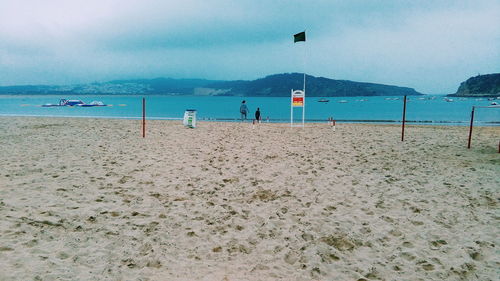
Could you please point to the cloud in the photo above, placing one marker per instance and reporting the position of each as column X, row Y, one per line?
column 431, row 50
column 428, row 45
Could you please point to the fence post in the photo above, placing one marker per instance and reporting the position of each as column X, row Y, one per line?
column 404, row 120
column 143, row 117
column 470, row 129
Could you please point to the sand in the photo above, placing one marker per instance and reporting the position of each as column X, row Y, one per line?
column 90, row 199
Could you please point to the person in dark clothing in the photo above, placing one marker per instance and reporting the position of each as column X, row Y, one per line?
column 243, row 110
column 257, row 115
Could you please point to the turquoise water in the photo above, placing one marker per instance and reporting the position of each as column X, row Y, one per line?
column 354, row 109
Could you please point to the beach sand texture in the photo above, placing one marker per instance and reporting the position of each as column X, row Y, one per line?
column 90, row 199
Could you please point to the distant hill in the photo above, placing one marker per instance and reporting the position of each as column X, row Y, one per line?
column 281, row 84
column 480, row 86
column 271, row 86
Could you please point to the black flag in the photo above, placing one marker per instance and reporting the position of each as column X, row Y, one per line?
column 301, row 36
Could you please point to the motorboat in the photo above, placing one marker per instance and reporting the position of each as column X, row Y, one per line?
column 323, row 100
column 94, row 103
column 65, row 102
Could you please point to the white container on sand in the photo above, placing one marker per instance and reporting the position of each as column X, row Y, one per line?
column 189, row 118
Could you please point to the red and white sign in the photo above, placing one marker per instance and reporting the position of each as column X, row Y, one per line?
column 298, row 98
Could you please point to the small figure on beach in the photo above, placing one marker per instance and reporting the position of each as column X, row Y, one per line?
column 257, row 115
column 243, row 110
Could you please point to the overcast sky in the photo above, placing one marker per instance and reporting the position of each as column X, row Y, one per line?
column 431, row 46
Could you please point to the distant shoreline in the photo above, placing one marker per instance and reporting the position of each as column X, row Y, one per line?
column 191, row 95
column 276, row 121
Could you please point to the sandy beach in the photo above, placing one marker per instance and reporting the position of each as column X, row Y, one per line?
column 90, row 199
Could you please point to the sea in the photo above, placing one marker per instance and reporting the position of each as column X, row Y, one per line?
column 432, row 110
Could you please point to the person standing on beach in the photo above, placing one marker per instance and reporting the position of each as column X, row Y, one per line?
column 243, row 110
column 257, row 115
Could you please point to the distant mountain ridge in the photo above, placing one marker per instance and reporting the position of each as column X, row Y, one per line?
column 276, row 85
column 487, row 85
column 281, row 84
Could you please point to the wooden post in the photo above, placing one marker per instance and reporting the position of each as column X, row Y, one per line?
column 404, row 120
column 470, row 129
column 143, row 117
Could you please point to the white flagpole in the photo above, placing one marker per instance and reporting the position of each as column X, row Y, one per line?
column 291, row 108
column 304, row 87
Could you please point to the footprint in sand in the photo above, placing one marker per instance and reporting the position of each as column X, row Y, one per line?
column 62, row 255
column 291, row 257
column 426, row 265
column 436, row 244
column 407, row 244
column 407, row 256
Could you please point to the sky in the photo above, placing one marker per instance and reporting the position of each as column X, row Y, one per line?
column 431, row 46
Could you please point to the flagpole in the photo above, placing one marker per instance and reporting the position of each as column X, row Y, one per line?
column 301, row 36
column 304, row 86
column 291, row 108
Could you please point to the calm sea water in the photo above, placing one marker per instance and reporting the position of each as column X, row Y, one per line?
column 350, row 109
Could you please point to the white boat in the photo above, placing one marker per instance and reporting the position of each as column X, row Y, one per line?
column 94, row 103
column 64, row 102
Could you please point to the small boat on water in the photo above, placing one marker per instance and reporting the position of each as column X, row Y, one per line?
column 94, row 103
column 64, row 102
column 323, row 100
column 448, row 100
column 342, row 101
